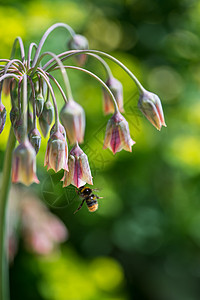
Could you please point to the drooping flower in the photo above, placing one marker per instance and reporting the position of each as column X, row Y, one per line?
column 117, row 134
column 2, row 117
column 79, row 170
column 150, row 105
column 35, row 139
column 72, row 117
column 56, row 155
column 79, row 42
column 61, row 129
column 24, row 164
column 117, row 89
column 48, row 112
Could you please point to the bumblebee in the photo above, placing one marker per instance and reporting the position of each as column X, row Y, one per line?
column 89, row 198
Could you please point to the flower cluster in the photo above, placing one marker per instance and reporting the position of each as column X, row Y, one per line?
column 29, row 83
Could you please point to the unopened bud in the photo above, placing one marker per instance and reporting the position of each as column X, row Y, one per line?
column 48, row 112
column 150, row 105
column 72, row 117
column 117, row 89
column 2, row 117
column 39, row 102
column 79, row 42
column 35, row 139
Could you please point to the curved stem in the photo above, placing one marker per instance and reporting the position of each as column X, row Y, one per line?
column 9, row 75
column 21, row 45
column 5, row 187
column 25, row 102
column 67, row 54
column 30, row 49
column 46, row 34
column 34, row 104
column 63, row 72
column 42, row 73
column 58, row 85
column 98, row 79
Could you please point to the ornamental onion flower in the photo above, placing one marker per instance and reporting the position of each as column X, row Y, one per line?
column 24, row 164
column 79, row 170
column 117, row 89
column 79, row 42
column 72, row 117
column 150, row 105
column 117, row 134
column 57, row 152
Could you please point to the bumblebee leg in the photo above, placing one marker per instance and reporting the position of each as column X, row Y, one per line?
column 79, row 206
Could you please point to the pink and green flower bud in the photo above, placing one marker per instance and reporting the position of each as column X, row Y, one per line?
column 79, row 170
column 30, row 121
column 44, row 126
column 24, row 164
column 18, row 128
column 151, row 107
column 35, row 139
column 48, row 112
column 117, row 89
column 117, row 134
column 6, row 86
column 72, row 117
column 61, row 129
column 14, row 115
column 79, row 42
column 2, row 117
column 56, row 156
column 39, row 102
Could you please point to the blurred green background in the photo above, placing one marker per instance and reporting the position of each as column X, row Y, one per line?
column 144, row 241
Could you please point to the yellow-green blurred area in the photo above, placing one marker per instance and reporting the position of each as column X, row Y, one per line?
column 144, row 241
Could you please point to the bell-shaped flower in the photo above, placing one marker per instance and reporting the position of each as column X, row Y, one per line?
column 79, row 170
column 2, row 117
column 117, row 89
column 61, row 129
column 57, row 152
column 117, row 134
column 72, row 117
column 79, row 42
column 35, row 139
column 150, row 105
column 24, row 164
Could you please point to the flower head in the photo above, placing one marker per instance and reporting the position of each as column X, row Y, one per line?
column 79, row 170
column 117, row 134
column 150, row 105
column 2, row 117
column 39, row 102
column 117, row 89
column 79, row 42
column 48, row 112
column 24, row 164
column 57, row 152
column 72, row 117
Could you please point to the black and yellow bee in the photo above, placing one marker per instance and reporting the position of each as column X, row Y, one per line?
column 91, row 199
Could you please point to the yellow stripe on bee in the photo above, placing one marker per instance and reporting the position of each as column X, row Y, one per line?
column 93, row 208
column 83, row 189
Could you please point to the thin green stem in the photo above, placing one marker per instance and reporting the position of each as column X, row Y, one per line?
column 63, row 72
column 5, row 187
column 30, row 49
column 42, row 73
column 46, row 34
column 21, row 45
column 67, row 54
column 58, row 85
column 98, row 79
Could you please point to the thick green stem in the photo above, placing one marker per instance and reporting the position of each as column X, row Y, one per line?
column 4, row 193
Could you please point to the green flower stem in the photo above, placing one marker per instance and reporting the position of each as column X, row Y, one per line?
column 67, row 54
column 30, row 49
column 98, row 79
column 5, row 187
column 46, row 34
column 21, row 45
column 42, row 73
column 63, row 72
column 58, row 85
